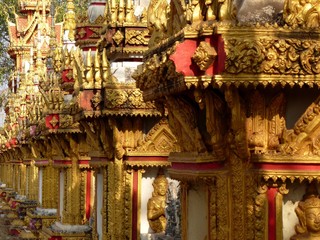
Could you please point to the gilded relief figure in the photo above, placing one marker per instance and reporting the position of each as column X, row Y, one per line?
column 308, row 212
column 157, row 204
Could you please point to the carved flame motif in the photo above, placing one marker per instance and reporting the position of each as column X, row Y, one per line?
column 302, row 13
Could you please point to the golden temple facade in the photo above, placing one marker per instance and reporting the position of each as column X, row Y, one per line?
column 192, row 120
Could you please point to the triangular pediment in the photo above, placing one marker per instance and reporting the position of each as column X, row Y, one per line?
column 304, row 138
column 159, row 140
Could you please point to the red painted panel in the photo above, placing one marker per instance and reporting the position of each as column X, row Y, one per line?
column 182, row 57
column 135, row 196
column 272, row 213
column 49, row 118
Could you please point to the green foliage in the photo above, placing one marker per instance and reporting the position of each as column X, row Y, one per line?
column 60, row 6
column 8, row 9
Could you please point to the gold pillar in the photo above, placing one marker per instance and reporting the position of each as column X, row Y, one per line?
column 223, row 206
column 115, row 200
column 72, row 202
column 1, row 172
column 9, row 174
column 212, row 212
column 128, row 197
column 23, row 177
column 279, row 201
column 15, row 177
column 83, row 190
column 184, row 209
column 238, row 204
column 50, row 187
column 33, row 182
column 104, row 209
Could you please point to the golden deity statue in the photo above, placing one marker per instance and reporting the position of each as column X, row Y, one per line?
column 157, row 203
column 308, row 212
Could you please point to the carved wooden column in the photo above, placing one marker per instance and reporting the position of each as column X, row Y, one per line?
column 238, row 156
column 105, row 204
column 282, row 190
column 33, row 181
column 2, row 171
column 71, row 212
column 86, row 194
column 184, row 200
column 15, row 177
column 23, row 177
column 50, row 183
column 260, row 211
column 115, row 199
column 9, row 174
column 131, row 203
column 223, row 206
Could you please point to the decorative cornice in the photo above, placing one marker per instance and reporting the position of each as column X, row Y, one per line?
column 147, row 164
column 284, row 175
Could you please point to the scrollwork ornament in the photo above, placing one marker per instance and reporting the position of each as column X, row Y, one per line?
column 272, row 56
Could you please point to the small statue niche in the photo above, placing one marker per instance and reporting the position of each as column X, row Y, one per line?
column 308, row 212
column 157, row 204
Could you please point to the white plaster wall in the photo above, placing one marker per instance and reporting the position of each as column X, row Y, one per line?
column 123, row 70
column 258, row 10
column 197, row 213
column 146, row 193
column 61, row 192
column 290, row 202
column 99, row 204
column 40, row 185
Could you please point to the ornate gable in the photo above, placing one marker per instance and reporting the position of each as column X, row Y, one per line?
column 159, row 140
column 304, row 138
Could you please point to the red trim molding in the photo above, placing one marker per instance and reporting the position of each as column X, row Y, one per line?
column 197, row 166
column 147, row 158
column 88, row 194
column 287, row 166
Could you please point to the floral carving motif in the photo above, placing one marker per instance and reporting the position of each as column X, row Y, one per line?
column 126, row 98
column 204, row 55
column 273, row 56
column 116, row 98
